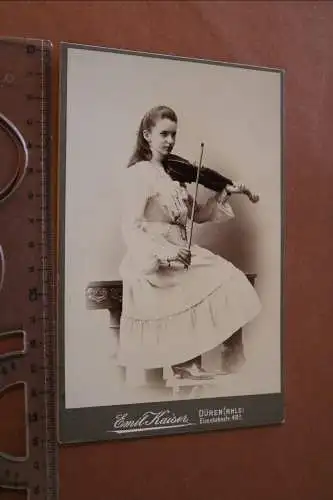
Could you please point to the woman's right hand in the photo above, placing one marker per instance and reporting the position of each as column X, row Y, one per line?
column 184, row 256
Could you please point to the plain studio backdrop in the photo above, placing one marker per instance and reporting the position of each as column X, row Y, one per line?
column 236, row 112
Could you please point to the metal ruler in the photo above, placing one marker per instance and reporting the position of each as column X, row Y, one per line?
column 27, row 287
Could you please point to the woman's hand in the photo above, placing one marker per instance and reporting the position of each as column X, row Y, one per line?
column 235, row 188
column 242, row 189
column 184, row 256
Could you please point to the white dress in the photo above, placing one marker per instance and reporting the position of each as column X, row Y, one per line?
column 171, row 314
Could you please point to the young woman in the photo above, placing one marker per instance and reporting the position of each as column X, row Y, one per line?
column 177, row 304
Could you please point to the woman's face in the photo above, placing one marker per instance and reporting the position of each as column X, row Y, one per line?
column 161, row 138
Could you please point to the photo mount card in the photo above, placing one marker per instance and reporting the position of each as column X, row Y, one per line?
column 171, row 258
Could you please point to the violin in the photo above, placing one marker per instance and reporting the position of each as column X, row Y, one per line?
column 182, row 170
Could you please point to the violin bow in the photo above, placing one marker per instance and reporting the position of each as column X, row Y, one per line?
column 194, row 200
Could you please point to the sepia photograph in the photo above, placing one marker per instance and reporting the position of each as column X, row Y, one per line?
column 170, row 316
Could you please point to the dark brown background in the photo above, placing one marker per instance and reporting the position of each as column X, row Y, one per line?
column 295, row 460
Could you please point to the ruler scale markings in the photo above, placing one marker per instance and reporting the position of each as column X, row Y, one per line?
column 29, row 208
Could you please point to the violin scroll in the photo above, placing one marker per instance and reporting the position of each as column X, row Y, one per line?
column 254, row 197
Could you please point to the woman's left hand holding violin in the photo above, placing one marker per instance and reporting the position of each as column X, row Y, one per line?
column 236, row 187
column 240, row 188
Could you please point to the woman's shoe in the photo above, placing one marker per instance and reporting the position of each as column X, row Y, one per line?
column 192, row 372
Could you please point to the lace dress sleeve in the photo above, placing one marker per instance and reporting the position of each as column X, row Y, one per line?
column 145, row 248
column 216, row 209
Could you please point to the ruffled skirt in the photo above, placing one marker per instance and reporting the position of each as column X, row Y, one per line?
column 174, row 315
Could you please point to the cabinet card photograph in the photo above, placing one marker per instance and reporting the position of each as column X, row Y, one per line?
column 170, row 310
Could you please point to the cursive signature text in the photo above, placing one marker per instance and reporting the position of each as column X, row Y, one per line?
column 161, row 418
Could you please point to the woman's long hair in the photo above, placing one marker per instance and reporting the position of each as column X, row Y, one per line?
column 142, row 151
